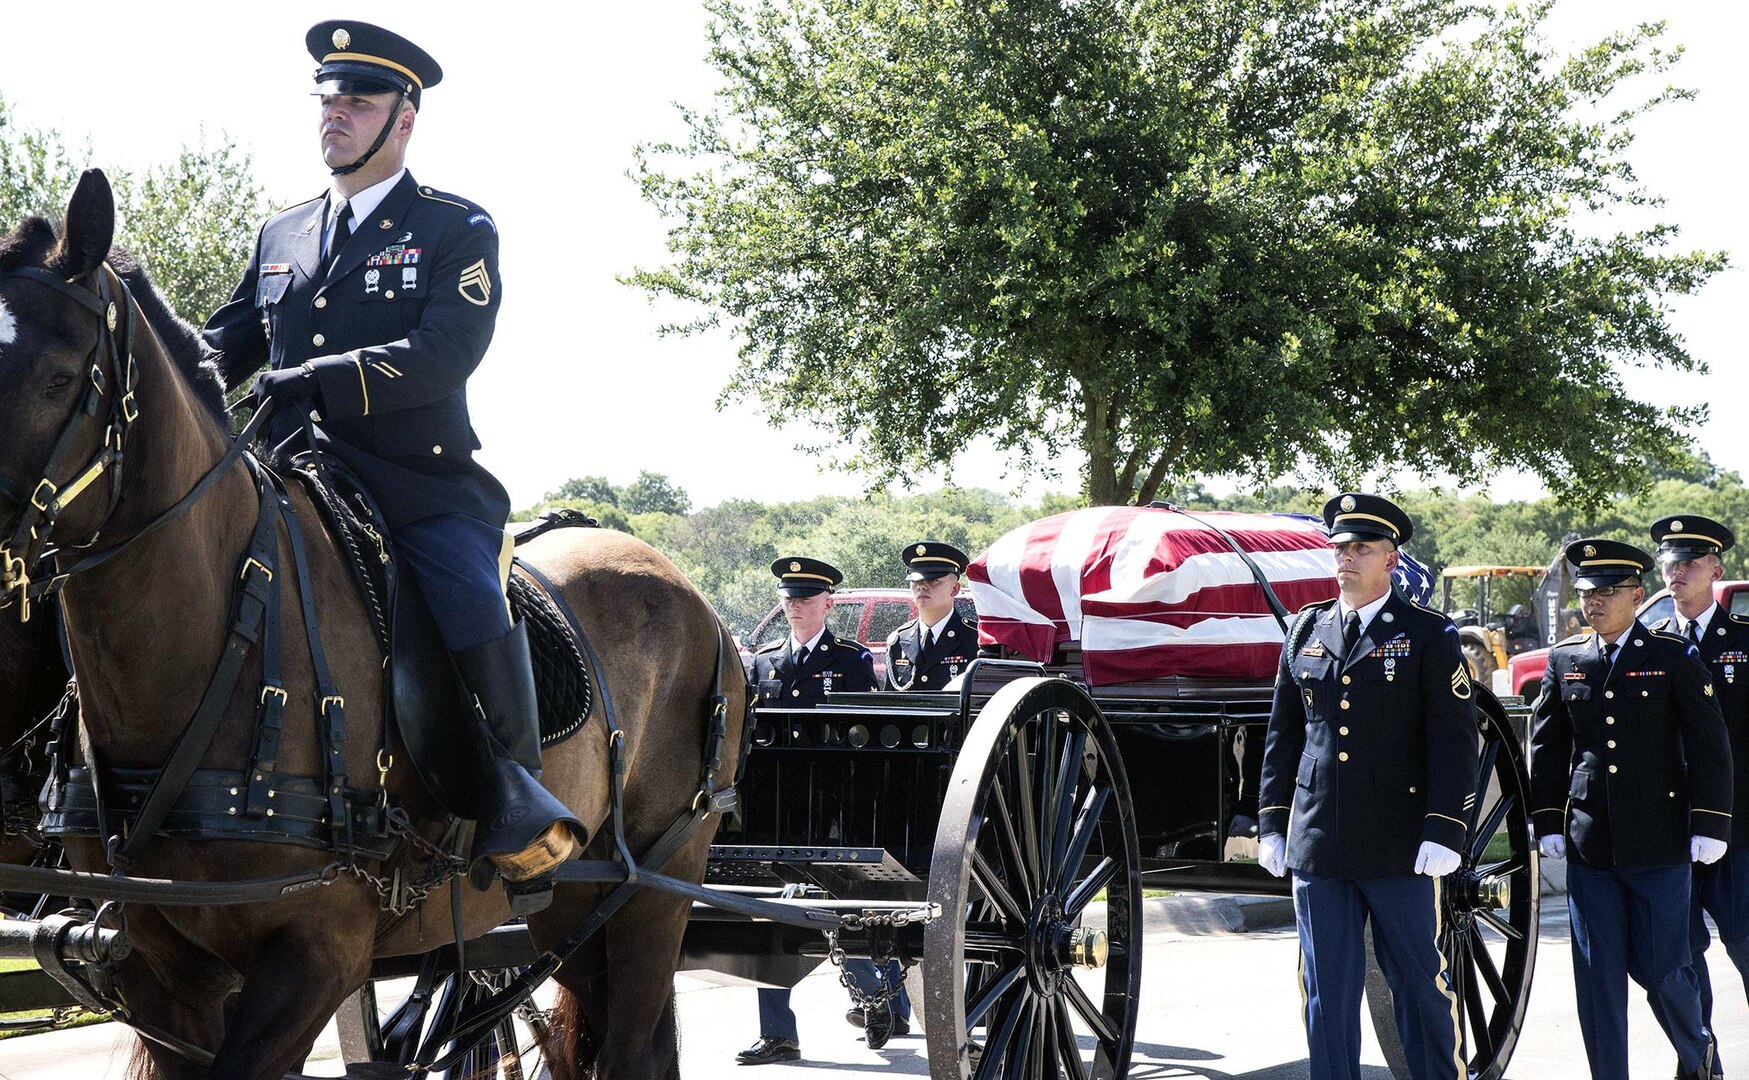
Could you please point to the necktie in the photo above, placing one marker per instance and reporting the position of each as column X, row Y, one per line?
column 801, row 656
column 342, row 231
column 1609, row 652
column 1694, row 632
column 1350, row 633
column 928, row 639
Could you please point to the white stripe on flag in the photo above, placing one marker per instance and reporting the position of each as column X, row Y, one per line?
column 992, row 602
column 1116, row 635
column 1069, row 559
column 1200, row 572
column 1002, row 563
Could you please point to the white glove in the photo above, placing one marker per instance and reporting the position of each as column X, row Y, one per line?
column 1554, row 846
column 1272, row 853
column 1436, row 860
column 1704, row 849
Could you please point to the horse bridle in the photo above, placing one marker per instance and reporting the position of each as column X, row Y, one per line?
column 28, row 542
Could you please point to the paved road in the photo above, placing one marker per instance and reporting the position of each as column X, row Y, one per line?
column 1217, row 1005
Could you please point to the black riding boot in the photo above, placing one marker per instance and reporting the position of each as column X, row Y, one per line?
column 523, row 829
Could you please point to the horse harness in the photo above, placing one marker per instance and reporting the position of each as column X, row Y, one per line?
column 130, row 807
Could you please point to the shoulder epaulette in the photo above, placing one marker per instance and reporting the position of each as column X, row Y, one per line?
column 1574, row 640
column 1740, row 620
column 1319, row 604
column 300, row 202
column 901, row 628
column 1678, row 638
column 443, row 197
column 1662, row 624
column 770, row 646
column 853, row 646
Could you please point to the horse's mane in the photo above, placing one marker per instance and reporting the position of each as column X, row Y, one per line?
column 34, row 242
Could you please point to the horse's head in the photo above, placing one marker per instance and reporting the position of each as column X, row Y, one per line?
column 66, row 383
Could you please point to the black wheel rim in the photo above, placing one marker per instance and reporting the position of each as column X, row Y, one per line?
column 1037, row 848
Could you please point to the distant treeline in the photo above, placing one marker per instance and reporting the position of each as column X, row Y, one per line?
column 727, row 549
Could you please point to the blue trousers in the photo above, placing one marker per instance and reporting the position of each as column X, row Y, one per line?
column 868, row 980
column 1332, row 914
column 1621, row 928
column 776, row 1019
column 1722, row 891
column 455, row 561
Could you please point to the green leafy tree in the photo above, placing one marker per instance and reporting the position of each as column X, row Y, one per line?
column 654, row 493
column 191, row 221
column 593, row 489
column 1332, row 237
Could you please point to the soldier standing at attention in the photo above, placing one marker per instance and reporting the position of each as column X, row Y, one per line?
column 1689, row 547
column 930, row 650
column 798, row 671
column 370, row 306
column 1630, row 779
column 1370, row 755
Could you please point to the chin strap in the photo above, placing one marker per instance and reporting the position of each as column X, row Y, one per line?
column 382, row 137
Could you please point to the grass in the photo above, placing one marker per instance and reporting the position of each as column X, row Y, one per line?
column 68, row 1018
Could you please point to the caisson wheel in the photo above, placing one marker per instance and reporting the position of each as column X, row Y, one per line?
column 1034, row 965
column 1488, row 912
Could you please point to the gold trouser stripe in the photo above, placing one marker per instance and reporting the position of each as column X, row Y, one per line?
column 1457, row 1039
column 506, row 551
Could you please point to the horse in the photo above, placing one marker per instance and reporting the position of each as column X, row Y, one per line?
column 243, row 991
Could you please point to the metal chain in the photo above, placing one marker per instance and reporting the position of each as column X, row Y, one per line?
column 398, row 894
column 864, row 920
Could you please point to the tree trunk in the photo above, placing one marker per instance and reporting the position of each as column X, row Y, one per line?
column 1103, row 488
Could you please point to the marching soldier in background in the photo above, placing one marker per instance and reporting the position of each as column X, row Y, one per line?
column 1630, row 775
column 1689, row 547
column 931, row 650
column 1370, row 755
column 370, row 306
column 798, row 671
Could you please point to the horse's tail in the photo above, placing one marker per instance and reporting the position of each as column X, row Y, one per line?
column 140, row 1065
column 567, row 1045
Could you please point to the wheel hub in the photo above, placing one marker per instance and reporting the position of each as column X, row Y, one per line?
column 1056, row 945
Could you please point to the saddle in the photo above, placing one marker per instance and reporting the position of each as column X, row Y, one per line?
column 424, row 695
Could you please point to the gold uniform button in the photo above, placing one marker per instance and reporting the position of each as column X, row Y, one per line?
column 1609, row 719
column 1411, row 790
column 1346, row 679
column 1673, row 794
column 1645, row 693
column 1612, row 744
column 388, row 294
column 795, row 693
column 1342, row 756
column 1342, row 731
column 321, row 301
column 437, row 449
column 1609, row 693
column 1612, row 768
column 318, row 340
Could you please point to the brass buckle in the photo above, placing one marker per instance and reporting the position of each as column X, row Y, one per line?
column 332, row 699
column 41, row 501
column 273, row 691
column 130, row 410
column 257, row 564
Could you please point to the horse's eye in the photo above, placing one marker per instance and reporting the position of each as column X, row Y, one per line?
column 60, row 380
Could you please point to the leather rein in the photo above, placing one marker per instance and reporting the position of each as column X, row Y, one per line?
column 113, row 375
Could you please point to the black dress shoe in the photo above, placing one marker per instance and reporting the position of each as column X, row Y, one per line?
column 768, row 1049
column 901, row 1026
column 853, row 1017
column 878, row 1026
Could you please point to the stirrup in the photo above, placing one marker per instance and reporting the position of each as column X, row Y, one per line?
column 553, row 846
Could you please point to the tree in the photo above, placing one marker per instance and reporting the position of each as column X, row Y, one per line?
column 654, row 493
column 191, row 222
column 1333, row 237
column 594, row 489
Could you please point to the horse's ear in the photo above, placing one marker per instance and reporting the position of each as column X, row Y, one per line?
column 90, row 228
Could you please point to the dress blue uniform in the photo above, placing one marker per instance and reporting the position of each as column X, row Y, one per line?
column 1629, row 759
column 1370, row 754
column 375, row 343
column 914, row 663
column 1720, row 889
column 783, row 678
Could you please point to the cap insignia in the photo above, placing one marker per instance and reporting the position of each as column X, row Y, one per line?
column 1347, row 502
column 795, row 567
column 1676, row 526
column 341, row 38
column 922, row 550
column 1590, row 551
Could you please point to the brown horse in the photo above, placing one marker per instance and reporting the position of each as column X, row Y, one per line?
column 253, row 985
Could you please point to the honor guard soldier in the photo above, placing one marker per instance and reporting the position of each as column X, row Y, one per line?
column 1689, row 547
column 1369, row 759
column 370, row 306
column 1630, row 776
column 798, row 671
column 931, row 650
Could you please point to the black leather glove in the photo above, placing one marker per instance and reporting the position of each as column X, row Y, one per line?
column 289, row 387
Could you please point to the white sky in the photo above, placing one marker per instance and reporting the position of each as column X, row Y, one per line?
column 535, row 119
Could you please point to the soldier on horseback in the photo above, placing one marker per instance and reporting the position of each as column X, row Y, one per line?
column 370, row 306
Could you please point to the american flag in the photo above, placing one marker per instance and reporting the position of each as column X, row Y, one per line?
column 1151, row 592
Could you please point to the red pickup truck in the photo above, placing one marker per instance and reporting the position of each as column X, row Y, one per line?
column 865, row 615
column 1524, row 672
